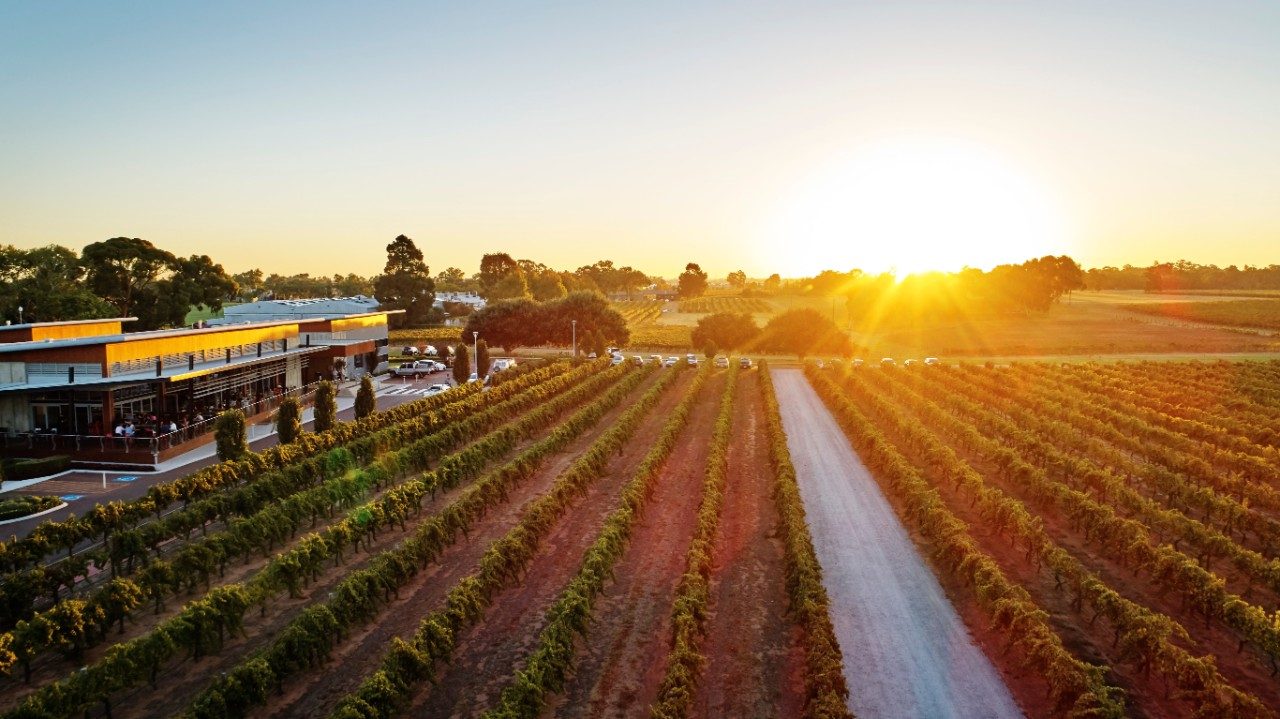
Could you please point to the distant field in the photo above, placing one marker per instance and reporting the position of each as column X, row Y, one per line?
column 429, row 334
column 200, row 312
column 708, row 305
column 639, row 312
column 1128, row 297
column 1236, row 313
column 661, row 335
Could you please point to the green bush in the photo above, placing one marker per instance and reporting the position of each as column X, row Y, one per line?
column 21, row 506
column 16, row 470
column 229, row 433
column 326, row 408
column 289, row 421
column 366, row 402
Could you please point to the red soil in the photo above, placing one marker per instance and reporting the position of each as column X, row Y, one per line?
column 755, row 661
column 619, row 667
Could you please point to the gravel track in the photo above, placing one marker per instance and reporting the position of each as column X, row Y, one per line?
column 906, row 651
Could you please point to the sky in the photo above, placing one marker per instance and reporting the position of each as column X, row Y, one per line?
column 303, row 137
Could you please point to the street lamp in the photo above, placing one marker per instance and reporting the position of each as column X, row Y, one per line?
column 475, row 352
column 575, row 337
column 19, row 314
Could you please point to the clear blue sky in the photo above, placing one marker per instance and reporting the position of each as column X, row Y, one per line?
column 305, row 136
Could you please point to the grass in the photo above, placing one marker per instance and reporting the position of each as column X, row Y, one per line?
column 200, row 312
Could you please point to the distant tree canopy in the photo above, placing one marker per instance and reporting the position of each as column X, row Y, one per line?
column 607, row 278
column 804, row 332
column 511, row 324
column 692, row 282
column 726, row 330
column 1183, row 275
column 144, row 281
column 737, row 279
column 48, row 284
column 406, row 284
column 252, row 285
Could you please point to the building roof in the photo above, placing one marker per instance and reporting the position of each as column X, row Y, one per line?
column 129, row 337
column 67, row 323
column 298, row 309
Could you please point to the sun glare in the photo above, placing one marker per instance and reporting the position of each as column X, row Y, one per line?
column 915, row 205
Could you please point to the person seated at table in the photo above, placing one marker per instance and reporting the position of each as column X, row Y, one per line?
column 129, row 429
column 119, row 429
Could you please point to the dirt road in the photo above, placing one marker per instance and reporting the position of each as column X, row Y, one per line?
column 906, row 651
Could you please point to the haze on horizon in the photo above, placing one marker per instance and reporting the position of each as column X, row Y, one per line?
column 789, row 138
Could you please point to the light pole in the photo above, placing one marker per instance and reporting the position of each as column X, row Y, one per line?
column 19, row 314
column 475, row 351
column 575, row 337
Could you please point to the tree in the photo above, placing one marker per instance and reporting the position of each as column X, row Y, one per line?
column 48, row 283
column 155, row 286
column 366, row 401
column 501, row 277
column 289, row 421
column 229, row 435
column 773, row 283
column 737, row 279
column 405, row 283
column 692, row 282
column 592, row 312
column 482, row 358
column 509, row 324
column 461, row 364
column 452, row 279
column 544, row 282
column 326, row 408
column 804, row 332
column 709, row 349
column 728, row 330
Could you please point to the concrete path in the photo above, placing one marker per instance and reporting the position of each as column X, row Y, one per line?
column 906, row 651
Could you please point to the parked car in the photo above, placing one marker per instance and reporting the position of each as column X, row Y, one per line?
column 744, row 362
column 691, row 359
column 637, row 360
column 415, row 368
column 473, row 378
column 670, row 361
column 430, row 351
column 722, row 362
column 931, row 361
column 856, row 363
column 591, row 356
column 503, row 363
column 437, row 389
column 887, row 362
column 616, row 360
column 409, row 350
column 657, row 359
column 909, row 363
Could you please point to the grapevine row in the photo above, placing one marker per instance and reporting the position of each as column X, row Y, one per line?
column 552, row 659
column 685, row 660
column 406, row 664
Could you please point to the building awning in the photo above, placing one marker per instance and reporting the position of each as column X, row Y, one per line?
column 167, row 374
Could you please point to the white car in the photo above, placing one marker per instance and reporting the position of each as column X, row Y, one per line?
column 410, row 351
column 616, row 360
column 722, row 362
column 931, row 361
column 856, row 363
column 436, row 389
column 657, row 359
column 473, row 378
column 744, row 362
column 691, row 359
column 430, row 351
column 415, row 369
column 670, row 361
column 503, row 363
column 637, row 361
column 909, row 363
column 887, row 362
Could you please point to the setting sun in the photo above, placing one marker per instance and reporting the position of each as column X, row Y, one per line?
column 913, row 205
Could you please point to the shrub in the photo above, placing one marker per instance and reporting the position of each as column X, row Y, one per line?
column 21, row 506
column 229, row 434
column 326, row 408
column 366, row 402
column 16, row 470
column 289, row 421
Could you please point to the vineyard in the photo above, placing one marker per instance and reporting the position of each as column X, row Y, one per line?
column 1111, row 530
column 638, row 313
column 1263, row 313
column 708, row 305
column 429, row 334
column 582, row 537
